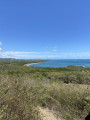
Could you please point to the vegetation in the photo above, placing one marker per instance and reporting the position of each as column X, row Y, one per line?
column 23, row 89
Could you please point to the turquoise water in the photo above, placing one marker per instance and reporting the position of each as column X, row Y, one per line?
column 64, row 63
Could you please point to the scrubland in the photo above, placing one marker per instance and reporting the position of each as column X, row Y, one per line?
column 23, row 89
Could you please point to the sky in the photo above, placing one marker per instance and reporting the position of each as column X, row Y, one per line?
column 45, row 29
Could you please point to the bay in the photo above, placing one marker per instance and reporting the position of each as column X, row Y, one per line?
column 63, row 63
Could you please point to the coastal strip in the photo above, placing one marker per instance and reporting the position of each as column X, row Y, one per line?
column 29, row 64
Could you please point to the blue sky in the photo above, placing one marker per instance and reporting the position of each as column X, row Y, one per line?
column 45, row 29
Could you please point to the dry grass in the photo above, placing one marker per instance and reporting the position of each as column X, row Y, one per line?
column 23, row 89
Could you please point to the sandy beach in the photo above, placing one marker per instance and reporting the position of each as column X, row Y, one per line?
column 32, row 63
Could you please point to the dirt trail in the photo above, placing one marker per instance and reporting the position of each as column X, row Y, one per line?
column 47, row 114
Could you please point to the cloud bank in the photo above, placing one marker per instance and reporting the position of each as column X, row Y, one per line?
column 54, row 54
column 43, row 55
column 17, row 54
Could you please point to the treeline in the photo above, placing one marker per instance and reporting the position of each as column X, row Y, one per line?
column 18, row 61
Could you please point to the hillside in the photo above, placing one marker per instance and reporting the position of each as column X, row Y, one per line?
column 66, row 91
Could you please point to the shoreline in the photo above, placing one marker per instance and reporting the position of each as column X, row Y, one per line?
column 32, row 64
column 29, row 64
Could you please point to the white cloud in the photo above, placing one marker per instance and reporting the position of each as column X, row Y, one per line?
column 0, row 43
column 55, row 47
column 0, row 49
column 54, row 50
column 17, row 54
column 42, row 55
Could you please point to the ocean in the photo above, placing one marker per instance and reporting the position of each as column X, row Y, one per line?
column 63, row 63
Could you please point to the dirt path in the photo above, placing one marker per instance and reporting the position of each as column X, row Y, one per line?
column 47, row 114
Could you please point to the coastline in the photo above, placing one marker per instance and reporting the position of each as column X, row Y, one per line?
column 60, row 63
column 29, row 64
